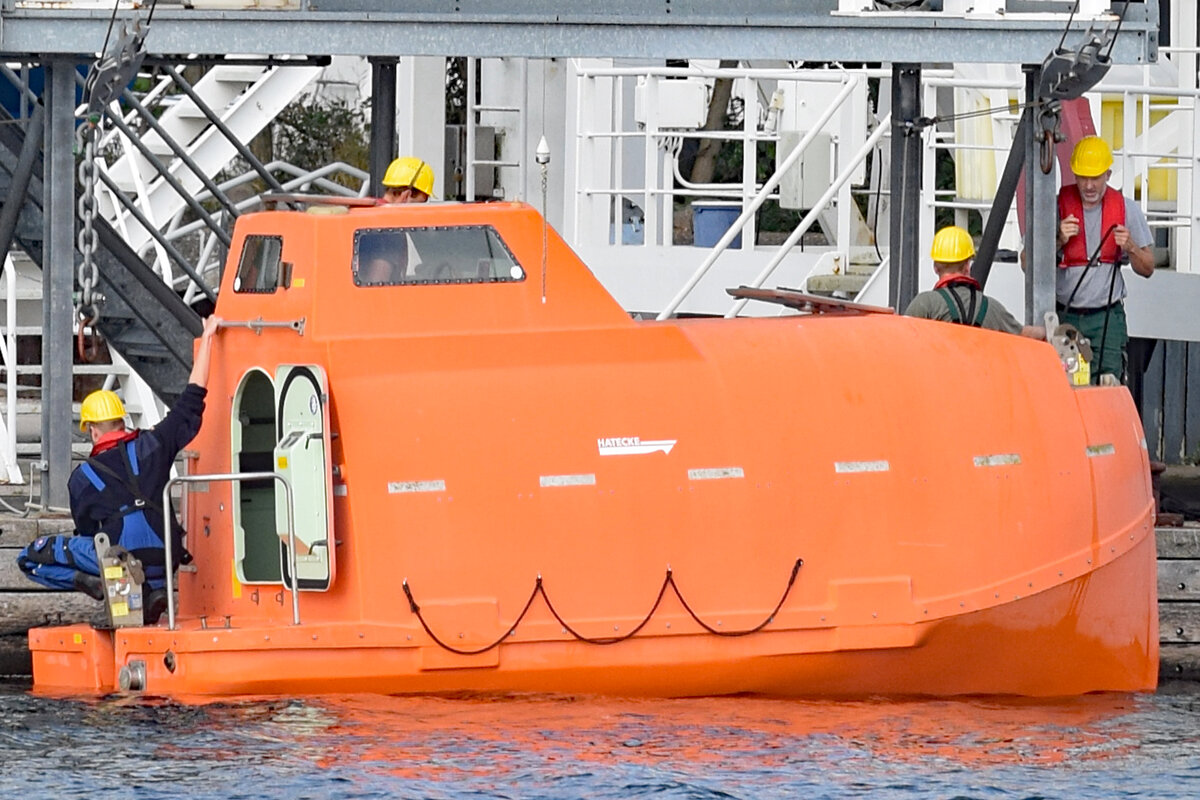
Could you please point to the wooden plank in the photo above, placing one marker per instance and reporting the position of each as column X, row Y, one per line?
column 13, row 580
column 16, row 532
column 1179, row 662
column 20, row 611
column 1174, row 401
column 1191, row 412
column 14, row 657
column 1152, row 403
column 1179, row 580
column 1178, row 542
column 1179, row 622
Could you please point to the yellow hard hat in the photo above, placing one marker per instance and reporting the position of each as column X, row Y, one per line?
column 1091, row 157
column 407, row 171
column 100, row 406
column 952, row 244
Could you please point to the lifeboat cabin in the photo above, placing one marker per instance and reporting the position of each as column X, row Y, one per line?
column 471, row 470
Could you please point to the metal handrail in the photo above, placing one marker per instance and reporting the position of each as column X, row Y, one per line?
column 226, row 476
column 761, row 197
column 811, row 216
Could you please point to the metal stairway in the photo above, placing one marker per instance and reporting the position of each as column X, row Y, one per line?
column 143, row 319
column 244, row 97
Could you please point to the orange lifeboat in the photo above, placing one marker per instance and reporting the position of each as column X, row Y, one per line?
column 499, row 481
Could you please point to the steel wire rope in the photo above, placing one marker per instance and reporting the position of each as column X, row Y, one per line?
column 540, row 589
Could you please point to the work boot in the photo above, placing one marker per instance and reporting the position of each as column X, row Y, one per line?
column 91, row 585
column 156, row 604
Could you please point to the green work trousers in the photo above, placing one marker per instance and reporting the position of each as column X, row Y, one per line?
column 1108, row 349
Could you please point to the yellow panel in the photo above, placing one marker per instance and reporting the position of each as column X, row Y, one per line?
column 1164, row 184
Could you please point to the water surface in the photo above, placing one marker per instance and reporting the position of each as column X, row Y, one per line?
column 1097, row 746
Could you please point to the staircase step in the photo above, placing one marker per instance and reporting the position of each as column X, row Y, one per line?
column 77, row 369
column 158, row 147
column 78, row 449
column 190, row 111
column 236, row 73
column 862, row 269
column 850, row 284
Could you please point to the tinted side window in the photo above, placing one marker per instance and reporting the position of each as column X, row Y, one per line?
column 258, row 268
column 463, row 254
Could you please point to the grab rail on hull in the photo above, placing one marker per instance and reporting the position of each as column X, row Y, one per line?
column 227, row 476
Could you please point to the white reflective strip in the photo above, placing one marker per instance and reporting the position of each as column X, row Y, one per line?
column 567, row 480
column 1100, row 450
column 199, row 487
column 861, row 466
column 998, row 460
column 1142, row 442
column 400, row 487
column 339, row 490
column 715, row 473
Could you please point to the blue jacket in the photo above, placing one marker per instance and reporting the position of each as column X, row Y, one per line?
column 101, row 498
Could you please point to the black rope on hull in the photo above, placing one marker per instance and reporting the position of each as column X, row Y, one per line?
column 540, row 589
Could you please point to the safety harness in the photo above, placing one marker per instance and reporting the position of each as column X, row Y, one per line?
column 137, row 534
column 961, row 313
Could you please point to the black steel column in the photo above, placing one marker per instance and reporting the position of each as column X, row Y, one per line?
column 905, row 209
column 1002, row 202
column 58, row 280
column 383, row 119
column 35, row 132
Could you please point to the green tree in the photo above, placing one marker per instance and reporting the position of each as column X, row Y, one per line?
column 313, row 134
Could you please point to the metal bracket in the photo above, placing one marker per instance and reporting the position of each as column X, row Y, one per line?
column 1067, row 74
column 116, row 68
column 124, row 580
column 258, row 323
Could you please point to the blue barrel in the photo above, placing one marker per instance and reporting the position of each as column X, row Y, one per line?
column 711, row 219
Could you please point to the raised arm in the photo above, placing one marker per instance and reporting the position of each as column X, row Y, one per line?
column 200, row 367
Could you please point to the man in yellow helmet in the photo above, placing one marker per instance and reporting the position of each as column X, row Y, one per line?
column 957, row 297
column 407, row 180
column 118, row 491
column 1098, row 231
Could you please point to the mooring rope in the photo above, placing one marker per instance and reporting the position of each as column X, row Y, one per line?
column 540, row 589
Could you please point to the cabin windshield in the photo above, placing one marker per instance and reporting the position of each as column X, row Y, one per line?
column 462, row 254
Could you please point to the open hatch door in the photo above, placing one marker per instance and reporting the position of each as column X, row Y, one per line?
column 302, row 457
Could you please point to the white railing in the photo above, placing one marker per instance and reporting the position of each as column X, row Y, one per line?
column 632, row 123
column 8, row 355
column 1158, row 146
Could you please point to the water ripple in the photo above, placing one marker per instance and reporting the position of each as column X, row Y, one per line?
column 1101, row 746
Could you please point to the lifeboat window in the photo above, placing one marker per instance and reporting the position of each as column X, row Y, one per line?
column 258, row 268
column 435, row 255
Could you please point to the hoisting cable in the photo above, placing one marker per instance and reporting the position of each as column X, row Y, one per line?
column 1112, row 283
column 540, row 589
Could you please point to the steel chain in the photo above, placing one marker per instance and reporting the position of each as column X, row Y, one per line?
column 87, row 308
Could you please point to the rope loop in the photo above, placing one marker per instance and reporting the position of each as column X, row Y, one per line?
column 540, row 589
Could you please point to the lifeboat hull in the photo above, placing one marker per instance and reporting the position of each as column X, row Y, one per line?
column 502, row 483
column 1097, row 632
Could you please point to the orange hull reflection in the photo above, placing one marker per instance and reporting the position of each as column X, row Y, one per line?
column 527, row 492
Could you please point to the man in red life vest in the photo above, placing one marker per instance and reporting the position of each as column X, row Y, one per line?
column 957, row 297
column 1098, row 231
